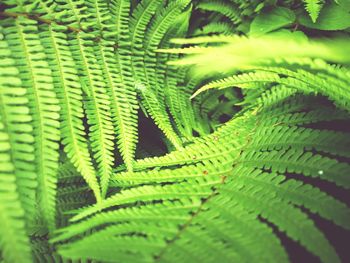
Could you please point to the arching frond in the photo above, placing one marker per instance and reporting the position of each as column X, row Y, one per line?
column 211, row 193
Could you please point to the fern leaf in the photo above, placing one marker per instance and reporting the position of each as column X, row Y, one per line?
column 125, row 179
column 262, row 202
column 313, row 7
column 298, row 193
column 104, row 247
column 303, row 118
column 242, row 51
column 44, row 108
column 146, row 193
column 207, row 148
column 72, row 13
column 239, row 81
column 277, row 138
column 217, row 28
column 228, row 191
column 110, row 120
column 146, row 59
column 157, row 31
column 299, row 110
column 306, row 80
column 127, row 103
column 16, row 117
column 97, row 109
column 222, row 7
column 14, row 243
column 177, row 212
column 69, row 92
column 298, row 161
column 161, row 119
column 168, row 77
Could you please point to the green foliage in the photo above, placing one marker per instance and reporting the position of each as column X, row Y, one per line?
column 271, row 20
column 332, row 17
column 172, row 131
column 313, row 7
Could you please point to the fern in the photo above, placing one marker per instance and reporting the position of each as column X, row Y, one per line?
column 16, row 117
column 313, row 7
column 222, row 7
column 195, row 174
column 13, row 238
column 167, row 131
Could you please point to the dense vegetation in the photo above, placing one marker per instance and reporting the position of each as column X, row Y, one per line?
column 173, row 131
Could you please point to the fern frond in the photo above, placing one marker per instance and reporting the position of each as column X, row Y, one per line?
column 72, row 13
column 149, row 193
column 69, row 91
column 179, row 175
column 67, row 173
column 161, row 119
column 313, row 7
column 43, row 252
column 146, row 74
column 20, row 5
column 100, row 18
column 97, row 107
column 219, row 237
column 222, row 7
column 44, row 108
column 14, row 243
column 101, row 74
column 177, row 212
column 262, row 202
column 240, row 81
column 141, row 18
column 304, row 118
column 177, row 101
column 324, row 83
column 217, row 28
column 295, row 191
column 300, row 162
column 18, row 122
column 156, row 32
column 277, row 94
column 279, row 137
column 206, row 200
column 300, row 79
column 297, row 110
column 104, row 247
column 127, row 107
column 210, row 147
column 241, row 53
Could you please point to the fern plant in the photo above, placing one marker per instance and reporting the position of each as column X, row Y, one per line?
column 172, row 131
